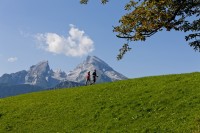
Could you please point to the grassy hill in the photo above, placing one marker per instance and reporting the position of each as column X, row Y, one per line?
column 152, row 104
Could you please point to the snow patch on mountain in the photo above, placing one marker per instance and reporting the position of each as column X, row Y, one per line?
column 59, row 75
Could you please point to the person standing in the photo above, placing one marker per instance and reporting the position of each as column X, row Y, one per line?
column 88, row 79
column 94, row 75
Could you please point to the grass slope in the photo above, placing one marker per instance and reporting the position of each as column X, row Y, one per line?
column 153, row 104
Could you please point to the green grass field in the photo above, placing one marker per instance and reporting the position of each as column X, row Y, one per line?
column 160, row 104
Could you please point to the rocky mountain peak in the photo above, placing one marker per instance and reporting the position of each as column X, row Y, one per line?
column 93, row 62
column 94, row 59
column 90, row 59
column 105, row 72
column 39, row 74
column 41, row 67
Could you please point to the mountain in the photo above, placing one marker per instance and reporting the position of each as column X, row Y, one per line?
column 41, row 75
column 67, row 84
column 38, row 75
column 12, row 90
column 104, row 71
column 13, row 78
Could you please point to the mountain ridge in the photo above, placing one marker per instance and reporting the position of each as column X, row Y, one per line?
column 42, row 76
column 104, row 71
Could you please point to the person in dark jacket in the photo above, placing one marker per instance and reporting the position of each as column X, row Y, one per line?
column 94, row 75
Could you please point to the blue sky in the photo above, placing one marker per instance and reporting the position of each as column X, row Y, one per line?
column 65, row 32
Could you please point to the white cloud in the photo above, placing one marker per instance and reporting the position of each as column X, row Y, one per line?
column 76, row 44
column 12, row 59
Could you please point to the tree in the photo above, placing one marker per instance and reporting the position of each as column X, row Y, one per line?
column 147, row 17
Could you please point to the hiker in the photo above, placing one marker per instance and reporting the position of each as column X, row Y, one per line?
column 88, row 79
column 94, row 75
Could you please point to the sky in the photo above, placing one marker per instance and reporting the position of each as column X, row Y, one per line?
column 65, row 32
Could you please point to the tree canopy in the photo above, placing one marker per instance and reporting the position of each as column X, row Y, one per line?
column 147, row 17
